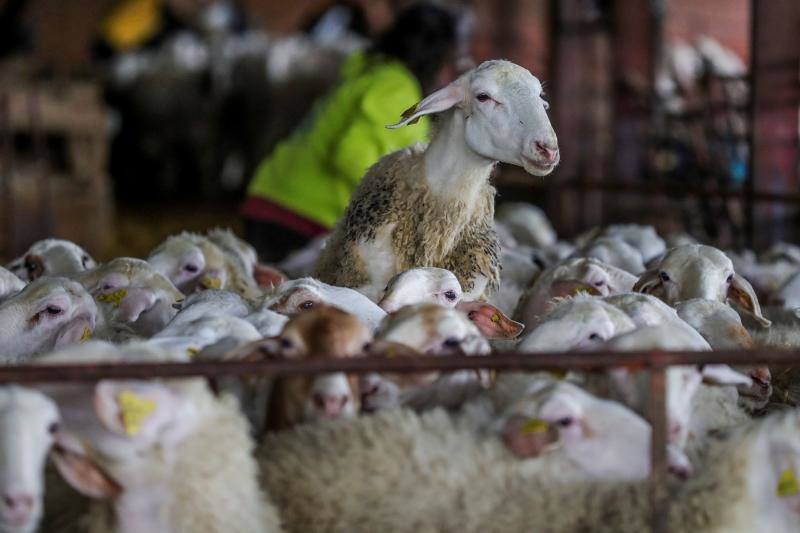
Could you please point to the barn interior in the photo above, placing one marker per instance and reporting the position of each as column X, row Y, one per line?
column 210, row 154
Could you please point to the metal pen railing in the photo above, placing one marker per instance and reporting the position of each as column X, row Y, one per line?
column 654, row 361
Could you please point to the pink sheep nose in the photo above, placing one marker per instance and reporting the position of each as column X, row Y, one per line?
column 330, row 404
column 548, row 153
column 18, row 507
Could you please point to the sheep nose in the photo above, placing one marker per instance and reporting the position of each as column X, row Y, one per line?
column 548, row 153
column 330, row 404
column 18, row 503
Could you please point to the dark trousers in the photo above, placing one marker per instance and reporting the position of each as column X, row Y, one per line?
column 272, row 241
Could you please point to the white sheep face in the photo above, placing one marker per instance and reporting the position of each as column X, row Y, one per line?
column 508, row 118
column 504, row 112
column 421, row 285
column 579, row 323
column 180, row 260
column 51, row 257
column 699, row 271
column 130, row 291
column 603, row 438
column 429, row 328
column 29, row 422
column 47, row 314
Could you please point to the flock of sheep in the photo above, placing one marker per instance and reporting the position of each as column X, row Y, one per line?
column 413, row 269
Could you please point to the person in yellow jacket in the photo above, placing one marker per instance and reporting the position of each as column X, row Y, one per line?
column 302, row 188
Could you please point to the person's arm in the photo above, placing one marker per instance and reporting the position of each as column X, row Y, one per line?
column 365, row 138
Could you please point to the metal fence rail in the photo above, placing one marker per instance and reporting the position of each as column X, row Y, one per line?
column 654, row 361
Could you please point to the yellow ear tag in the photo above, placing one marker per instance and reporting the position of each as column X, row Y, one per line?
column 579, row 290
column 134, row 410
column 114, row 298
column 558, row 374
column 534, row 425
column 87, row 334
column 495, row 318
column 211, row 283
column 787, row 484
column 191, row 352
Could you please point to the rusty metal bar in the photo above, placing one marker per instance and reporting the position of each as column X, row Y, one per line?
column 657, row 413
column 499, row 361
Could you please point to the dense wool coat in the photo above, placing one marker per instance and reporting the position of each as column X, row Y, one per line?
column 425, row 230
column 402, row 472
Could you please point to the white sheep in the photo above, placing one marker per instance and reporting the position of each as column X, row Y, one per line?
column 642, row 237
column 402, row 472
column 131, row 293
column 440, row 286
column 722, row 328
column 434, row 206
column 29, row 422
column 195, row 262
column 48, row 313
column 165, row 456
column 699, row 271
column 527, row 223
column 298, row 295
column 613, row 251
column 567, row 278
column 51, row 257
column 576, row 323
column 9, row 283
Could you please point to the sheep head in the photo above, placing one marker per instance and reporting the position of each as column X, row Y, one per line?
column 323, row 332
column 29, row 422
column 51, row 257
column 130, row 291
column 605, row 439
column 48, row 313
column 699, row 271
column 506, row 112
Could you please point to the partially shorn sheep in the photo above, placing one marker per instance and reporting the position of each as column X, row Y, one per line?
column 434, row 206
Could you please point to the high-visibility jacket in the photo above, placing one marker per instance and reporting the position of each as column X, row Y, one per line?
column 307, row 181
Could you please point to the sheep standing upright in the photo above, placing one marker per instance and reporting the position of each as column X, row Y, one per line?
column 434, row 206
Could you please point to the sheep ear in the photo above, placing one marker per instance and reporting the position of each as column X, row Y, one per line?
column 724, row 375
column 80, row 472
column 490, row 320
column 267, row 276
column 441, row 100
column 648, row 283
column 135, row 409
column 742, row 294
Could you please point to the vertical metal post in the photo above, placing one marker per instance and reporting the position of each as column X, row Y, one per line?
column 6, row 174
column 750, row 179
column 658, row 451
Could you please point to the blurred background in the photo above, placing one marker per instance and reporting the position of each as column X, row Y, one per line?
column 124, row 121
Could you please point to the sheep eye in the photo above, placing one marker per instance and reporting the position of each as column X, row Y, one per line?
column 599, row 283
column 286, row 343
column 53, row 428
column 53, row 310
column 663, row 275
column 594, row 337
column 31, row 266
column 730, row 279
column 565, row 422
column 483, row 97
column 452, row 342
column 191, row 268
column 84, row 260
column 450, row 295
column 308, row 304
